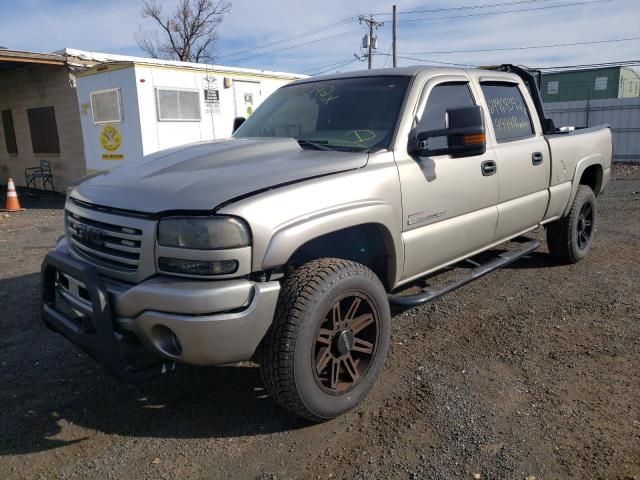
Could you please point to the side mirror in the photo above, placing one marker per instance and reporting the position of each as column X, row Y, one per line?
column 465, row 135
column 237, row 122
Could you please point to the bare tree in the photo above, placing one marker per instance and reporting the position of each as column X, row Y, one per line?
column 187, row 34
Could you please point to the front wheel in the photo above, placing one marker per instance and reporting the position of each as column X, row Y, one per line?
column 329, row 339
column 570, row 238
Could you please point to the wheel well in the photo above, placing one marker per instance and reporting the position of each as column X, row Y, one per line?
column 592, row 177
column 368, row 244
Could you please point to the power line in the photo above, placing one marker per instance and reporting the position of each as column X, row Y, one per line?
column 388, row 55
column 465, row 7
column 328, row 65
column 573, row 4
column 500, row 49
column 429, row 60
column 293, row 37
column 336, row 66
column 295, row 46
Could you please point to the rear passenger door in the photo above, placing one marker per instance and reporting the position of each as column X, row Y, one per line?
column 522, row 156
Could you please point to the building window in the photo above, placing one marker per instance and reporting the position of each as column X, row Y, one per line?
column 601, row 83
column 106, row 106
column 9, row 131
column 43, row 129
column 553, row 88
column 178, row 105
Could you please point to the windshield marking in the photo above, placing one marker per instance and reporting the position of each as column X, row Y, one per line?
column 324, row 93
column 361, row 135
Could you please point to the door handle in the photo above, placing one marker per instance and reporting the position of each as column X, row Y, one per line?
column 537, row 158
column 488, row 168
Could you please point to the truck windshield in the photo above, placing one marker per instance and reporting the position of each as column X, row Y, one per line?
column 349, row 114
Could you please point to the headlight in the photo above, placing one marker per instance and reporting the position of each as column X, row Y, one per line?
column 203, row 233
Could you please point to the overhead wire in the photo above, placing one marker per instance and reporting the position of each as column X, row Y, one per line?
column 348, row 62
column 296, row 46
column 405, row 55
column 328, row 66
column 429, row 60
column 529, row 47
column 503, row 12
column 290, row 38
column 463, row 7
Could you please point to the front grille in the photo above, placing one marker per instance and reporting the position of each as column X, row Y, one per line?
column 105, row 244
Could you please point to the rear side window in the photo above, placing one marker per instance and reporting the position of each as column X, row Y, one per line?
column 509, row 113
column 442, row 98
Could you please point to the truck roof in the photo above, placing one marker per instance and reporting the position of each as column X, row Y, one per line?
column 410, row 71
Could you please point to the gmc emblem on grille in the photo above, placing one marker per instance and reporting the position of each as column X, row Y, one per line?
column 90, row 235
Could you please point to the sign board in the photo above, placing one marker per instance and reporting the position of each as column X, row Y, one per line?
column 211, row 95
column 111, row 139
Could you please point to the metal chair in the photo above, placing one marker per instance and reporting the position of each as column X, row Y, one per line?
column 43, row 172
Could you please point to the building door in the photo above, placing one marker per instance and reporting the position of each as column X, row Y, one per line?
column 247, row 97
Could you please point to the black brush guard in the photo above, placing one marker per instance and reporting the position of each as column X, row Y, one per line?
column 96, row 336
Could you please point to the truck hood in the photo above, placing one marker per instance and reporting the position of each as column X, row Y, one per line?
column 203, row 175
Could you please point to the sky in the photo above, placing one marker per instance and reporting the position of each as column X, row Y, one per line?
column 109, row 27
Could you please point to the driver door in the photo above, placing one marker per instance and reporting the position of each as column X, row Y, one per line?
column 449, row 204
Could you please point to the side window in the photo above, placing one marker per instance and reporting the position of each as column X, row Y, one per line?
column 106, row 106
column 442, row 98
column 509, row 113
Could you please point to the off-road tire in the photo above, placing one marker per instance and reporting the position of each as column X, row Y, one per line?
column 307, row 296
column 563, row 234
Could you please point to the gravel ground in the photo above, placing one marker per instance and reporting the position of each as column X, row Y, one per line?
column 532, row 371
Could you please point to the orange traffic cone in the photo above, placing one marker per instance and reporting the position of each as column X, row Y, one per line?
column 13, row 204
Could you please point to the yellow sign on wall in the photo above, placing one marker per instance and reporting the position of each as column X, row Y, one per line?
column 110, row 138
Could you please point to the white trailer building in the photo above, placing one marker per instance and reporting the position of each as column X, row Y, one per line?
column 131, row 107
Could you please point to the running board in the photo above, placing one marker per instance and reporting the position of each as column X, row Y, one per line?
column 500, row 261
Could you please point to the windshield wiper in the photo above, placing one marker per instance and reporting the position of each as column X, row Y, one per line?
column 308, row 143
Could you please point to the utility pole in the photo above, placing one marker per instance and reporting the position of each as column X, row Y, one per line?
column 370, row 39
column 393, row 40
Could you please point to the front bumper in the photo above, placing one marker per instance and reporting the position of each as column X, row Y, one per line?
column 195, row 322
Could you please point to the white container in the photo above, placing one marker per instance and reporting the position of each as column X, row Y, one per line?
column 131, row 108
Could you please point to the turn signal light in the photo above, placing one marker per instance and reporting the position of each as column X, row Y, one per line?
column 474, row 139
column 197, row 267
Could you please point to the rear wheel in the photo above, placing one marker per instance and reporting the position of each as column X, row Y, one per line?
column 329, row 339
column 570, row 238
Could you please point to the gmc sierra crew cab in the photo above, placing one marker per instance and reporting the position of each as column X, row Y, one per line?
column 286, row 244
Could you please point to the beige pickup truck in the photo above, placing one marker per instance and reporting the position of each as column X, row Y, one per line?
column 287, row 243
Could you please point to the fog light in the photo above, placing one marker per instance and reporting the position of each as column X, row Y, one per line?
column 197, row 267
